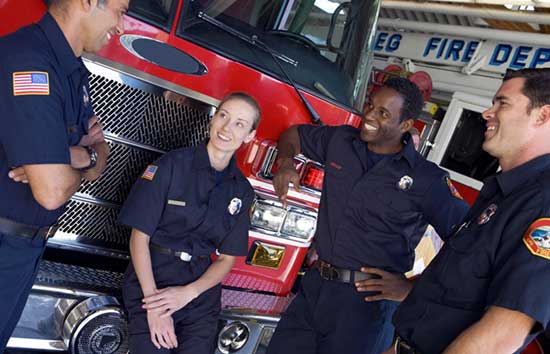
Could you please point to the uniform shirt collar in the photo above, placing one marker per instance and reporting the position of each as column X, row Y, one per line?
column 408, row 152
column 516, row 177
column 202, row 161
column 63, row 51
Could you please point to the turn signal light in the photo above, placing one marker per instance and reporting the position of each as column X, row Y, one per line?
column 313, row 177
column 266, row 255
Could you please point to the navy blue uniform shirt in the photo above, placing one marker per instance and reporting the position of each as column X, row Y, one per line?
column 376, row 216
column 44, row 109
column 500, row 256
column 179, row 204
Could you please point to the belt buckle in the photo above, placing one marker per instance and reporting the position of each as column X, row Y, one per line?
column 186, row 257
column 328, row 272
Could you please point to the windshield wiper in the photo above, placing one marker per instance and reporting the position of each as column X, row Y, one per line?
column 242, row 36
column 315, row 118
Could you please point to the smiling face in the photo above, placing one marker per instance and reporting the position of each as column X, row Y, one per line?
column 104, row 20
column 232, row 125
column 382, row 127
column 510, row 124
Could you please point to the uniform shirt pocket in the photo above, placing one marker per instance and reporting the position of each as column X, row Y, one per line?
column 181, row 216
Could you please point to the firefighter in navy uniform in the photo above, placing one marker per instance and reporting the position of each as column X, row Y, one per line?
column 378, row 196
column 487, row 290
column 185, row 206
column 49, row 136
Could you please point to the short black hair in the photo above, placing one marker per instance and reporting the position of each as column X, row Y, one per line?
column 248, row 99
column 536, row 85
column 412, row 97
column 61, row 4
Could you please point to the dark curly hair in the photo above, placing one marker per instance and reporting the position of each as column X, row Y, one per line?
column 412, row 97
column 536, row 85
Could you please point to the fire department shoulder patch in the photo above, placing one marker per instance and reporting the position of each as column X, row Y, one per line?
column 452, row 189
column 149, row 172
column 537, row 238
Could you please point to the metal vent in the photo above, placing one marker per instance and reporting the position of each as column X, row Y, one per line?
column 95, row 224
column 124, row 166
column 52, row 273
column 139, row 124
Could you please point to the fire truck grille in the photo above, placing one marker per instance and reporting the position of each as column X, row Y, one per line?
column 146, row 118
column 71, row 276
column 94, row 224
column 125, row 164
column 139, row 124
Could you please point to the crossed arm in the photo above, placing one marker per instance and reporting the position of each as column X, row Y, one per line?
column 53, row 184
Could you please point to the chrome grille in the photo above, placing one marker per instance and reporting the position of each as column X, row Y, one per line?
column 91, row 225
column 125, row 164
column 139, row 124
column 52, row 273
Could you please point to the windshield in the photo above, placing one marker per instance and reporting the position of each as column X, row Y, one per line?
column 324, row 46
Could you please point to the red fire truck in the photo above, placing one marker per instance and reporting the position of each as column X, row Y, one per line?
column 154, row 89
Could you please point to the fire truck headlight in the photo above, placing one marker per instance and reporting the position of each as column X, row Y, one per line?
column 266, row 215
column 299, row 224
column 233, row 337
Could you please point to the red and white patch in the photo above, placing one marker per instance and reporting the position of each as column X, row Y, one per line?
column 537, row 238
column 452, row 189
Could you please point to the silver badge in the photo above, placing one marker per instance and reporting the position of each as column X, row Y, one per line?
column 234, row 206
column 405, row 183
column 486, row 215
column 85, row 96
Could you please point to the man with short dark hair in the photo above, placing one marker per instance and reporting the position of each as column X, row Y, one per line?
column 50, row 138
column 378, row 196
column 487, row 289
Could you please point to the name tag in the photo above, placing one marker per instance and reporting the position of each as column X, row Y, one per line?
column 176, row 202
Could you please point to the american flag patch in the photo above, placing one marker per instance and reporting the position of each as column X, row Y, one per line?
column 149, row 172
column 31, row 83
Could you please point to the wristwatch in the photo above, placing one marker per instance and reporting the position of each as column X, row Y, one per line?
column 93, row 159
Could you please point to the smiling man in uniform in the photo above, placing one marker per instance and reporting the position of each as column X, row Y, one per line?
column 50, row 138
column 487, row 289
column 378, row 196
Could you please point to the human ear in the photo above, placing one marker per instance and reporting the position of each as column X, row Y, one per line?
column 250, row 136
column 406, row 125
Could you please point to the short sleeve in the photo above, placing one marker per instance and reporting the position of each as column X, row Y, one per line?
column 145, row 204
column 314, row 141
column 32, row 119
column 522, row 278
column 235, row 243
column 443, row 207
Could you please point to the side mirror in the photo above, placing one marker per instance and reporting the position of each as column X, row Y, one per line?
column 343, row 6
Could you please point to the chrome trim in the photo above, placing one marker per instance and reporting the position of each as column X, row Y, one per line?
column 233, row 340
column 86, row 198
column 115, row 138
column 67, row 241
column 65, row 291
column 99, row 65
column 38, row 344
column 85, row 312
column 247, row 316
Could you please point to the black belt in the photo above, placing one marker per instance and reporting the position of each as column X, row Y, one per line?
column 330, row 272
column 184, row 256
column 10, row 227
column 403, row 347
